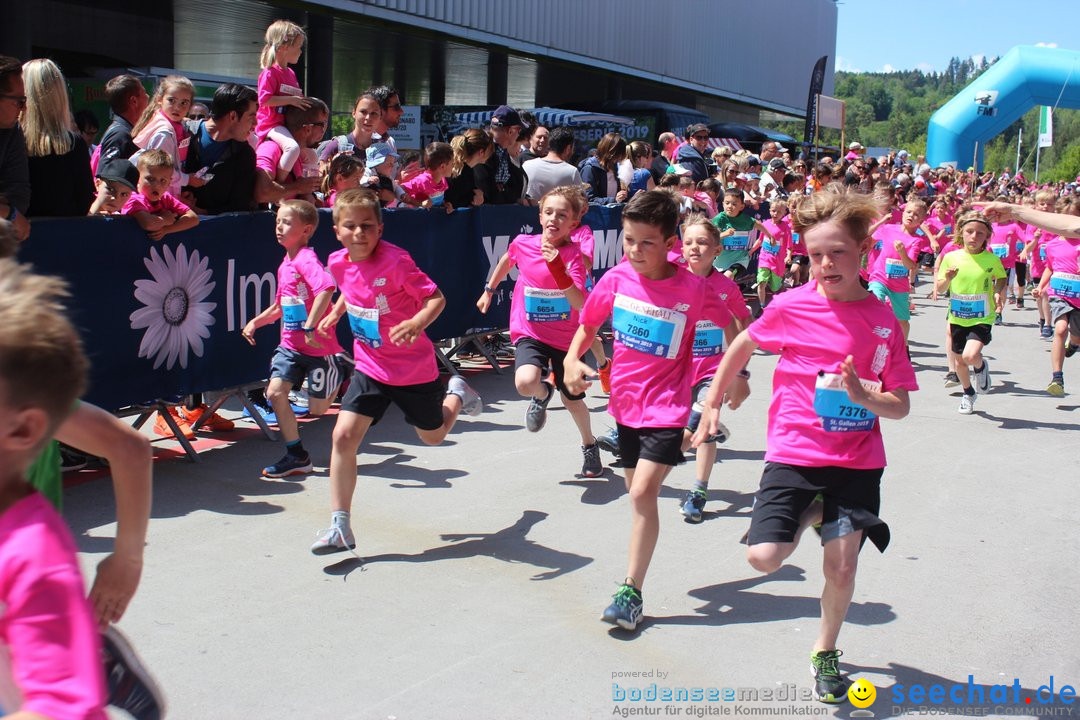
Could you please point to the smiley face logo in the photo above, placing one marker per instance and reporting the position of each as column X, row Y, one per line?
column 862, row 693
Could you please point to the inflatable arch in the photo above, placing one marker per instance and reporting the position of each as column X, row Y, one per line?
column 1024, row 77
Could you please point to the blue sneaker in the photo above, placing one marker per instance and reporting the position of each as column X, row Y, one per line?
column 693, row 505
column 289, row 465
column 131, row 687
column 609, row 441
column 625, row 609
column 268, row 414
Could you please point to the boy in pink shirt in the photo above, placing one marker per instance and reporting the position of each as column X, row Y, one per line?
column 156, row 210
column 548, row 293
column 654, row 307
column 843, row 364
column 304, row 290
column 389, row 302
column 427, row 188
column 890, row 275
column 50, row 649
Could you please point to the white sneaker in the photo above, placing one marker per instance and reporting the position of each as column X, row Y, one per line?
column 471, row 402
column 984, row 377
column 334, row 539
column 967, row 404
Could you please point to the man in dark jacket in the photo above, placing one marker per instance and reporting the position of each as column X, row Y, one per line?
column 127, row 97
column 500, row 179
column 219, row 146
column 692, row 155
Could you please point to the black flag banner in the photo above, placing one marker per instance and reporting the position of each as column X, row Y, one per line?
column 817, row 82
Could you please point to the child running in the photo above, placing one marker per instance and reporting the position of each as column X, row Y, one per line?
column 735, row 229
column 890, row 275
column 774, row 251
column 843, row 364
column 975, row 280
column 655, row 306
column 304, row 290
column 700, row 246
column 278, row 89
column 389, row 302
column 548, row 294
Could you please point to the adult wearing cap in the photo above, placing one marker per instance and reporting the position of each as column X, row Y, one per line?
column 307, row 127
column 771, row 185
column 116, row 180
column 500, row 179
column 692, row 155
column 220, row 151
column 14, row 170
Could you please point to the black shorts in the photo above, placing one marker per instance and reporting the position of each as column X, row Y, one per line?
column 530, row 351
column 421, row 403
column 800, row 260
column 324, row 373
column 926, row 259
column 1021, row 273
column 660, row 445
column 961, row 333
column 851, row 499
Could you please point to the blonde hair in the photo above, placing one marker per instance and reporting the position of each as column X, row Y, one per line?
column 41, row 357
column 46, row 121
column 1045, row 196
column 154, row 158
column 472, row 141
column 170, row 83
column 694, row 220
column 303, row 210
column 569, row 193
column 357, row 198
column 853, row 210
column 280, row 32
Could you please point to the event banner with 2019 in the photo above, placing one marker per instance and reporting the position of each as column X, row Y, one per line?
column 163, row 319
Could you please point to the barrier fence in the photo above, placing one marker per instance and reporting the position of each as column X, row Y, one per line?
column 163, row 319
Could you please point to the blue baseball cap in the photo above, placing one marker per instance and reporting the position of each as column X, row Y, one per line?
column 377, row 154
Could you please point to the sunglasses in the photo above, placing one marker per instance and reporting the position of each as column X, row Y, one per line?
column 19, row 99
column 395, row 106
column 200, row 116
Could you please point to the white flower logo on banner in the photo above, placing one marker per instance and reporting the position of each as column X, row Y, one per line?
column 174, row 315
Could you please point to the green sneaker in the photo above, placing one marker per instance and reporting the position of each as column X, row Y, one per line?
column 829, row 685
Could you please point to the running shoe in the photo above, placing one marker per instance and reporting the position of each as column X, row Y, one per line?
column 1046, row 332
column 693, row 506
column 610, row 441
column 130, row 686
column 265, row 411
column 289, row 465
column 334, row 539
column 162, row 428
column 967, row 404
column 951, row 380
column 625, row 609
column 536, row 415
column 1056, row 388
column 829, row 685
column 1020, row 302
column 471, row 403
column 1070, row 349
column 214, row 423
column 299, row 398
column 1000, row 319
column 605, row 377
column 592, row 466
column 983, row 377
column 71, row 459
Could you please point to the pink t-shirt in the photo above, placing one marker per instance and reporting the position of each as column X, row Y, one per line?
column 299, row 281
column 812, row 423
column 1062, row 257
column 1037, row 256
column 268, row 155
column 539, row 309
column 380, row 292
column 137, row 202
column 951, row 246
column 774, row 252
column 1003, row 243
column 888, row 269
column 423, row 187
column 274, row 80
column 709, row 342
column 710, row 204
column 937, row 225
column 583, row 236
column 50, row 649
column 653, row 322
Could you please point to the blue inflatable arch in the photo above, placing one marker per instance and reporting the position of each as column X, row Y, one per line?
column 1024, row 77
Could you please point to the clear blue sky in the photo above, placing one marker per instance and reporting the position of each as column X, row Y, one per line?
column 881, row 36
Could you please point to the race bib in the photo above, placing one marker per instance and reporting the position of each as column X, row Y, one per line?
column 436, row 200
column 284, row 89
column 967, row 307
column 895, row 268
column 769, row 248
column 836, row 410
column 1042, row 253
column 293, row 313
column 647, row 328
column 708, row 339
column 1065, row 285
column 738, row 241
column 1000, row 250
column 183, row 145
column 546, row 305
column 364, row 323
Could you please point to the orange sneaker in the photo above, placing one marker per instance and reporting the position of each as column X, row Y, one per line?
column 215, row 423
column 162, row 428
column 605, row 377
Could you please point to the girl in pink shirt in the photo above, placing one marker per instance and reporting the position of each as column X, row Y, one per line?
column 843, row 364
column 548, row 293
column 278, row 88
column 161, row 127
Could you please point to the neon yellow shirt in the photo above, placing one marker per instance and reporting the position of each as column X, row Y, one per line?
column 971, row 292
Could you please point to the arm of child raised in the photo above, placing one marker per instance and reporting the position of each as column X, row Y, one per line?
column 893, row 404
column 406, row 331
column 734, row 361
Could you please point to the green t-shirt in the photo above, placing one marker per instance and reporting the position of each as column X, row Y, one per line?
column 971, row 292
column 736, row 247
column 45, row 476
